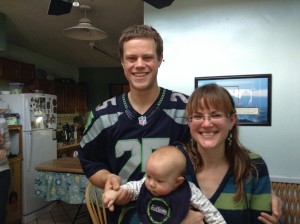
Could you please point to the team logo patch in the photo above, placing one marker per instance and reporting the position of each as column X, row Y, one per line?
column 142, row 120
column 158, row 210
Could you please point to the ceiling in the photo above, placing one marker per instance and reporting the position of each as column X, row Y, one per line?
column 29, row 26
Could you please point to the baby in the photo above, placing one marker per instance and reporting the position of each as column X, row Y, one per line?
column 163, row 195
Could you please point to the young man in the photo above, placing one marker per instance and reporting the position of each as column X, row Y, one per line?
column 123, row 131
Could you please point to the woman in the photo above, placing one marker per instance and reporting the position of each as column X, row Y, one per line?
column 234, row 179
column 4, row 167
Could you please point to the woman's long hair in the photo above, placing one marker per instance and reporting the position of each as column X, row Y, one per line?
column 217, row 97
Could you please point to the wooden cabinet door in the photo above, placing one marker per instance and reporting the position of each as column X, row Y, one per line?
column 45, row 85
column 58, row 90
column 82, row 98
column 16, row 71
column 71, row 98
column 9, row 69
column 14, row 204
column 26, row 71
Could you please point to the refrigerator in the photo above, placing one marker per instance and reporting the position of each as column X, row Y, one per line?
column 38, row 117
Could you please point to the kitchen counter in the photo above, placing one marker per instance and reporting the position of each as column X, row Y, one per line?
column 68, row 165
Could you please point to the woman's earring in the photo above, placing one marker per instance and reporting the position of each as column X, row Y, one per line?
column 192, row 142
column 229, row 138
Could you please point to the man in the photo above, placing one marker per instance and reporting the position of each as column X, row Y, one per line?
column 123, row 131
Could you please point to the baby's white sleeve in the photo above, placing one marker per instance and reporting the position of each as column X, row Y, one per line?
column 200, row 202
column 134, row 187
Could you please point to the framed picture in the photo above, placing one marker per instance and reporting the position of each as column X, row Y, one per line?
column 251, row 94
column 118, row 88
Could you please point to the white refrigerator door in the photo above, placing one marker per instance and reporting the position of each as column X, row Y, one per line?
column 38, row 146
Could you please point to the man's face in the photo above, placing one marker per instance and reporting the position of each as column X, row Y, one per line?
column 140, row 63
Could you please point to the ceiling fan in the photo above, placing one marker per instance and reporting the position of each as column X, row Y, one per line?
column 60, row 7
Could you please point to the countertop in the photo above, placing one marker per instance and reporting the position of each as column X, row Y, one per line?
column 64, row 165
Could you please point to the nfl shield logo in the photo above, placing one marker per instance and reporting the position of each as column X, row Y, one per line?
column 142, row 120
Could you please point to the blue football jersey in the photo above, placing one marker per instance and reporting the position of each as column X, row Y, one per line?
column 119, row 139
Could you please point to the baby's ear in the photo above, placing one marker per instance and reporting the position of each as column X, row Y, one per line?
column 179, row 180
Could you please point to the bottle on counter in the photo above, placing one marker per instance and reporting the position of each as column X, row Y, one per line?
column 75, row 133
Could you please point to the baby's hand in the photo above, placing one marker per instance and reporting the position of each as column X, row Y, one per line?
column 109, row 197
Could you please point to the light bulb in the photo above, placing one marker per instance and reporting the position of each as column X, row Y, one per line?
column 75, row 3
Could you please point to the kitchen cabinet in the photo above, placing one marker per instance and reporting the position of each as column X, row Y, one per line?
column 45, row 85
column 16, row 71
column 14, row 204
column 70, row 98
column 82, row 98
column 58, row 90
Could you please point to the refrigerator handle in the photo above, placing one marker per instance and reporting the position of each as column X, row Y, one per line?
column 28, row 152
column 27, row 113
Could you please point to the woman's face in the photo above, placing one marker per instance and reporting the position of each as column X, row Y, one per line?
column 140, row 63
column 210, row 128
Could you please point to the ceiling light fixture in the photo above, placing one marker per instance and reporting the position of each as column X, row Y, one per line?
column 84, row 30
column 75, row 3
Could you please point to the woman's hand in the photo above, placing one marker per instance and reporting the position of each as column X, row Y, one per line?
column 276, row 211
column 194, row 217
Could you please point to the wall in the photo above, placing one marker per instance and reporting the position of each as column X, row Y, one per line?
column 234, row 37
column 98, row 80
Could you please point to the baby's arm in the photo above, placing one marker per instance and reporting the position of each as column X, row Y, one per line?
column 200, row 202
column 110, row 196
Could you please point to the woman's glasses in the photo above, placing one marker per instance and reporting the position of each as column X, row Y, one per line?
column 214, row 117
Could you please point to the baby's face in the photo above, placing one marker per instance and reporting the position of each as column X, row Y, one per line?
column 159, row 180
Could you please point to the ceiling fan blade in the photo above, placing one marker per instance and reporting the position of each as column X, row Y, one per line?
column 59, row 7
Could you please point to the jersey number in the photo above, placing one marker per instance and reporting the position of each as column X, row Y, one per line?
column 139, row 153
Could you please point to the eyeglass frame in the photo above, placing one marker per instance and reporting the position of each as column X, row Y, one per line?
column 213, row 117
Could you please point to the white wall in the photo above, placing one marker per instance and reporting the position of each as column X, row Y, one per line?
column 236, row 37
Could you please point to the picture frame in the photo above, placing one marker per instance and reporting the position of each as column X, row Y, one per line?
column 251, row 94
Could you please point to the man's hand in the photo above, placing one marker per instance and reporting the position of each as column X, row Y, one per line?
column 276, row 211
column 113, row 182
column 194, row 217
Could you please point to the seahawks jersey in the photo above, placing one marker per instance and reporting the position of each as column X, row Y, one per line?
column 119, row 139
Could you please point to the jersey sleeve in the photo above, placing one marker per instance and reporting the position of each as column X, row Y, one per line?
column 95, row 144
